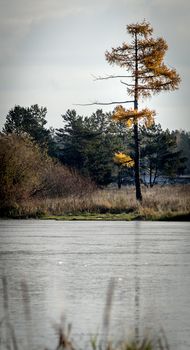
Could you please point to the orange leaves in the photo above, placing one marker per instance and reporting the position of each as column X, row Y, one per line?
column 144, row 59
column 148, row 44
column 131, row 116
column 122, row 159
column 143, row 29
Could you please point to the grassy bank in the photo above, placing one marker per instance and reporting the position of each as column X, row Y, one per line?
column 159, row 203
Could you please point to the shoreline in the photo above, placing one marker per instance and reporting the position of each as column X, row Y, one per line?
column 178, row 217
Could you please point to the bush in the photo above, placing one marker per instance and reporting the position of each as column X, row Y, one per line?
column 60, row 181
column 20, row 170
column 27, row 171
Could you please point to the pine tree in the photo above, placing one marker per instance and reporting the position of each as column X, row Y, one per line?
column 143, row 59
column 88, row 144
column 159, row 154
column 31, row 121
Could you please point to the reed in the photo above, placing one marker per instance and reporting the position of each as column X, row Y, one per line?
column 9, row 340
column 159, row 202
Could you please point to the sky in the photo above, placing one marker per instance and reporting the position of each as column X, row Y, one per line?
column 50, row 51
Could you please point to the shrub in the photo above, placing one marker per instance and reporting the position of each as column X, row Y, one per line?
column 27, row 171
column 20, row 162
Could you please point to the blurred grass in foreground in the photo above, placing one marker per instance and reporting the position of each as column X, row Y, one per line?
column 9, row 340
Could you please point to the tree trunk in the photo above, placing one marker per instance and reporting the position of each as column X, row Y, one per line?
column 119, row 179
column 155, row 177
column 136, row 133
column 150, row 175
column 137, row 164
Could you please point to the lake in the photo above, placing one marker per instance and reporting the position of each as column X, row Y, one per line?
column 67, row 267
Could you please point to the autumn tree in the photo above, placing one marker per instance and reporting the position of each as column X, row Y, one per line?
column 122, row 161
column 147, row 74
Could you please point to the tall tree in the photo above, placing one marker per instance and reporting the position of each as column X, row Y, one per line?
column 143, row 59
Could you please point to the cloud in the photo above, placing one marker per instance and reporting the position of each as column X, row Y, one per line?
column 17, row 18
column 49, row 49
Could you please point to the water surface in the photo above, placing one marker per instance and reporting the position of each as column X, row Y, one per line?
column 68, row 265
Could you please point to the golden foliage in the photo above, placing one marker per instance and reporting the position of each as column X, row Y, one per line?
column 144, row 28
column 123, row 159
column 143, row 58
column 131, row 116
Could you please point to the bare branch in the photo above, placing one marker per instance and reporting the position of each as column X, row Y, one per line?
column 154, row 87
column 112, row 77
column 122, row 82
column 144, row 88
column 148, row 77
column 102, row 103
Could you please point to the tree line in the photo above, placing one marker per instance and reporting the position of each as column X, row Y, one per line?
column 89, row 145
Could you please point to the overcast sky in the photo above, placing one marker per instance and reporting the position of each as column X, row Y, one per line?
column 50, row 50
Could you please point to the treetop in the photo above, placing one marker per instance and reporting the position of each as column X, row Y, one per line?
column 143, row 29
column 143, row 58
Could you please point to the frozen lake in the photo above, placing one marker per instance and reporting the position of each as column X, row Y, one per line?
column 68, row 266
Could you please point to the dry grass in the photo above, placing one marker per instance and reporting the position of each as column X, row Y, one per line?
column 159, row 202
